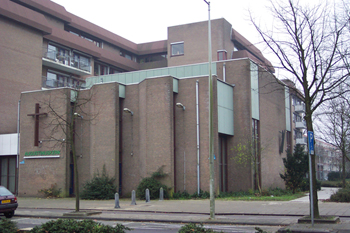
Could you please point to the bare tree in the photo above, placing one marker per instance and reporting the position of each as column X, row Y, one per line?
column 61, row 127
column 250, row 151
column 310, row 43
column 335, row 128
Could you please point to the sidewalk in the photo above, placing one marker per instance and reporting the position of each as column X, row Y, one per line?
column 183, row 211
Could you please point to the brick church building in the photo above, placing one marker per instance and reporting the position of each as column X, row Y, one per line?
column 141, row 107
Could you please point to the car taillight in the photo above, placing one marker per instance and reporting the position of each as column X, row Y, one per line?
column 14, row 200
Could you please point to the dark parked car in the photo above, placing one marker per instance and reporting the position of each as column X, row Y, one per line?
column 8, row 202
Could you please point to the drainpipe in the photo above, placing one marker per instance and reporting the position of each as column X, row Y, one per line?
column 197, row 116
column 224, row 72
column 17, row 159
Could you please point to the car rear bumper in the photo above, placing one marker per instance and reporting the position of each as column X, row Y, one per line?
column 8, row 207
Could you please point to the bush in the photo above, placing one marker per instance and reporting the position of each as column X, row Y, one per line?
column 202, row 194
column 342, row 195
column 74, row 226
column 296, row 167
column 192, row 227
column 183, row 195
column 7, row 226
column 100, row 187
column 277, row 192
column 336, row 176
column 51, row 192
column 154, row 187
column 306, row 185
column 332, row 184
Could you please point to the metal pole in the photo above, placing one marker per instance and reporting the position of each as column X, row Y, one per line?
column 311, row 194
column 211, row 133
column 197, row 122
column 310, row 140
column 18, row 142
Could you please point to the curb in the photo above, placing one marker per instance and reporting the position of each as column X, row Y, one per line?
column 216, row 222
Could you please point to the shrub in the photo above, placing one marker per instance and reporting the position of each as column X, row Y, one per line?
column 306, row 185
column 192, row 227
column 99, row 187
column 183, row 195
column 74, row 226
column 332, row 184
column 154, row 187
column 296, row 167
column 51, row 192
column 336, row 176
column 7, row 226
column 202, row 194
column 342, row 195
column 277, row 192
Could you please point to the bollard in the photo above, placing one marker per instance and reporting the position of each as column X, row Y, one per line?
column 161, row 194
column 147, row 196
column 133, row 197
column 116, row 199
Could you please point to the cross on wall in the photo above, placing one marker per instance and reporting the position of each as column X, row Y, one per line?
column 36, row 115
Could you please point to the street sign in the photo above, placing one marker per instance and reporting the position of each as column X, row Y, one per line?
column 310, row 136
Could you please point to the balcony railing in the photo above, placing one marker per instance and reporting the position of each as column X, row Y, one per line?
column 81, row 63
column 300, row 124
column 302, row 141
column 300, row 108
column 52, row 83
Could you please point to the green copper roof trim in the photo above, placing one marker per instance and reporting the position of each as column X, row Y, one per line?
column 138, row 76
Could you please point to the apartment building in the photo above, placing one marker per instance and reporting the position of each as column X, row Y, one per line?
column 150, row 103
column 328, row 159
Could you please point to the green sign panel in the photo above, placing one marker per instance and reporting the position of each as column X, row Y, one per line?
column 42, row 153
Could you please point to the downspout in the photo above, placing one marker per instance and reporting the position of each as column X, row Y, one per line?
column 17, row 159
column 197, row 121
column 224, row 72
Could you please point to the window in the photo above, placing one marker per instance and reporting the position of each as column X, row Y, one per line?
column 152, row 58
column 81, row 62
column 55, row 79
column 222, row 55
column 86, row 37
column 289, row 140
column 177, row 49
column 57, row 54
column 296, row 101
column 100, row 69
column 113, row 70
column 255, row 145
column 127, row 55
column 104, row 69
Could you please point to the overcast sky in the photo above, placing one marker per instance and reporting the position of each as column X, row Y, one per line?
column 147, row 20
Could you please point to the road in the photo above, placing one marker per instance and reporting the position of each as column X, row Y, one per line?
column 149, row 227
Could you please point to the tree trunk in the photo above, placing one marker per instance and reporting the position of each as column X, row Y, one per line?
column 344, row 171
column 75, row 165
column 308, row 120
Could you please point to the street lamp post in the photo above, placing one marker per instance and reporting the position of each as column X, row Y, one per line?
column 211, row 132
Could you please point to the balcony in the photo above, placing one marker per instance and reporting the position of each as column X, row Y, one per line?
column 300, row 108
column 302, row 141
column 72, row 64
column 300, row 124
column 68, row 82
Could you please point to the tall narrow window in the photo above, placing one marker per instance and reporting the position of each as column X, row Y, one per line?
column 177, row 48
column 223, row 162
column 255, row 145
column 222, row 55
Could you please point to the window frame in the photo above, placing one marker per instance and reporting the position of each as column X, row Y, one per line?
column 172, row 48
column 224, row 57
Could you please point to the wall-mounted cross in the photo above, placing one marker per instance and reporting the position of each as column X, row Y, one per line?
column 36, row 127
